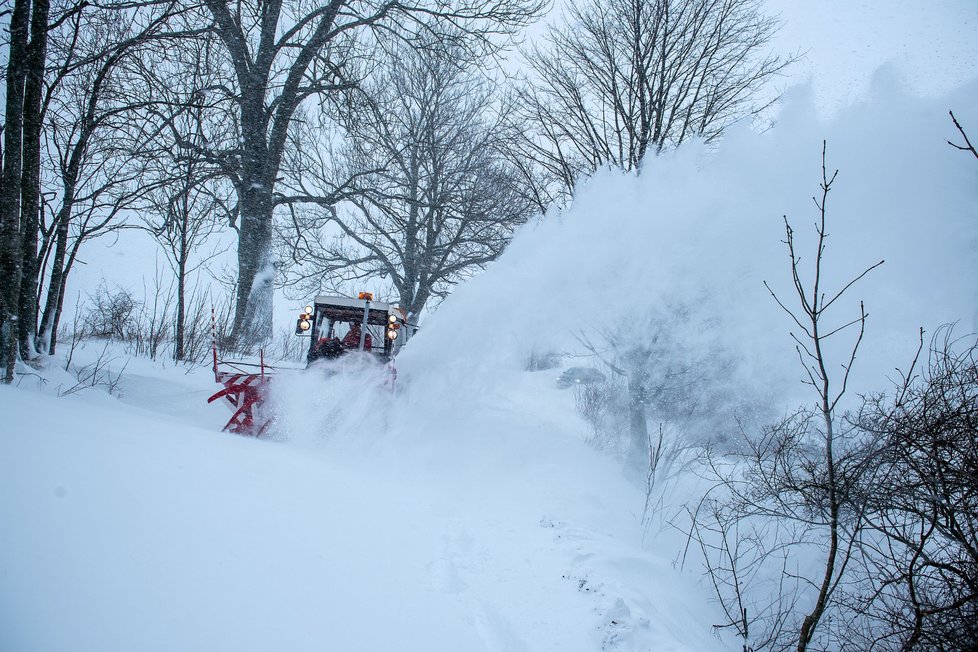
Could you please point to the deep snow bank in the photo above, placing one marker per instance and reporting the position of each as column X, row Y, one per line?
column 125, row 533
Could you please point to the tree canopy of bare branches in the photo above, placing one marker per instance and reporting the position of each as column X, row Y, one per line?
column 430, row 197
column 191, row 197
column 282, row 53
column 921, row 567
column 96, row 125
column 71, row 125
column 621, row 79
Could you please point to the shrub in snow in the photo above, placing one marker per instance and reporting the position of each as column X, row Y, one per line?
column 109, row 313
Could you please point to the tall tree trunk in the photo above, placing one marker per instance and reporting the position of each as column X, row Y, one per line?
column 409, row 285
column 263, row 132
column 10, row 189
column 70, row 173
column 48, row 336
column 179, row 334
column 256, row 268
column 31, row 181
column 62, row 286
column 48, row 331
column 253, row 308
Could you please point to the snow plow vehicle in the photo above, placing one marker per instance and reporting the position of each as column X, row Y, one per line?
column 371, row 327
column 367, row 322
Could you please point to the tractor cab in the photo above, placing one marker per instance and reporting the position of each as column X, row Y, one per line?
column 337, row 325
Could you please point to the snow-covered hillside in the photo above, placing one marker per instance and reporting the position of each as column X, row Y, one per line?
column 464, row 511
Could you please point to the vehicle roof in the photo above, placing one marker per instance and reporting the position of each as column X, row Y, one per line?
column 345, row 309
column 347, row 302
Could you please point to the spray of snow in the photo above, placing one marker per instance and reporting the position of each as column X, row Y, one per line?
column 258, row 314
column 704, row 229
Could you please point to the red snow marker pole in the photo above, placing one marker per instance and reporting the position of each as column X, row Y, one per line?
column 214, row 340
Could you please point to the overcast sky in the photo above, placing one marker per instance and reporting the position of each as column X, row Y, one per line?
column 932, row 44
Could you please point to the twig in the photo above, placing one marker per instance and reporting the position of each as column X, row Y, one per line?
column 967, row 147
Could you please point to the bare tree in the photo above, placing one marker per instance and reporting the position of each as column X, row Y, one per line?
column 620, row 79
column 661, row 377
column 830, row 484
column 967, row 147
column 739, row 552
column 921, row 566
column 93, row 130
column 193, row 197
column 798, row 485
column 815, row 485
column 283, row 53
column 41, row 73
column 803, row 476
column 182, row 216
column 10, row 186
column 31, row 180
column 431, row 198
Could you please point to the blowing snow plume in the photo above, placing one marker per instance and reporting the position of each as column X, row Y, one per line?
column 679, row 254
column 340, row 401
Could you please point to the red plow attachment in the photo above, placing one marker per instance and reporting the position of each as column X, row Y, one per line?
column 244, row 393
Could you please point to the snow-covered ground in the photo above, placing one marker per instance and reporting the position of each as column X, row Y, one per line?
column 132, row 523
